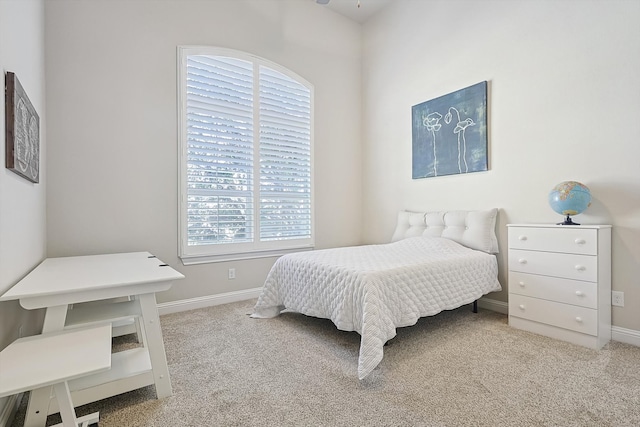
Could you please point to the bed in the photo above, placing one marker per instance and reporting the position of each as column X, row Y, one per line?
column 435, row 261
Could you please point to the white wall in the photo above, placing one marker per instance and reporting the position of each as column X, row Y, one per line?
column 22, row 203
column 564, row 105
column 111, row 103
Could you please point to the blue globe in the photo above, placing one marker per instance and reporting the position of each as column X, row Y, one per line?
column 570, row 198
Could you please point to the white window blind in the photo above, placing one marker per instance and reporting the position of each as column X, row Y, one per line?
column 247, row 157
column 285, row 157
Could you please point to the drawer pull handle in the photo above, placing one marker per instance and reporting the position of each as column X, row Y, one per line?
column 523, row 238
column 521, row 306
column 579, row 319
column 580, row 241
column 580, row 267
column 522, row 261
column 579, row 293
column 521, row 284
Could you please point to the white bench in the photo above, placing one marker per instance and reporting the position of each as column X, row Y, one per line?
column 53, row 359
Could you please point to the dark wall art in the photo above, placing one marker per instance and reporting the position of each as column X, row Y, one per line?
column 22, row 137
column 450, row 133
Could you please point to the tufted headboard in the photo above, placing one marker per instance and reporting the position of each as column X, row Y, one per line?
column 473, row 229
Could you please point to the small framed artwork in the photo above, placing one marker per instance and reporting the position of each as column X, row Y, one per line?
column 449, row 133
column 22, row 137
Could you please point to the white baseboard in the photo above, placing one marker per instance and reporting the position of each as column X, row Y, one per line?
column 494, row 305
column 8, row 409
column 628, row 336
column 207, row 301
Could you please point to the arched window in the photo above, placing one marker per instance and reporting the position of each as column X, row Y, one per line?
column 245, row 133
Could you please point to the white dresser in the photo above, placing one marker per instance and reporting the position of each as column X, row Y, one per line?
column 560, row 281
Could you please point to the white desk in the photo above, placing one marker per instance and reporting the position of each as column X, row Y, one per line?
column 58, row 282
column 54, row 359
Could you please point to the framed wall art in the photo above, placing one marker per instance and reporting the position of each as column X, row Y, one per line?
column 449, row 133
column 22, row 136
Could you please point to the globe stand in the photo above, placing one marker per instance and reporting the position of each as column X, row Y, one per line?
column 568, row 221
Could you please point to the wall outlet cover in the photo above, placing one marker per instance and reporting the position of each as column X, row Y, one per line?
column 617, row 298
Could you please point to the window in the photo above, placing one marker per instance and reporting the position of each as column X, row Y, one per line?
column 245, row 131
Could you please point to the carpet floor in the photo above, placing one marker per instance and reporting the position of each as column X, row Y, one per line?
column 454, row 369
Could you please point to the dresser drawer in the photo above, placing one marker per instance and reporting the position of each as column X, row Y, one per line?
column 575, row 292
column 569, row 266
column 556, row 239
column 579, row 319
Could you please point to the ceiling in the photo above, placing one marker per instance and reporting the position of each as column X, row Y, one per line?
column 350, row 9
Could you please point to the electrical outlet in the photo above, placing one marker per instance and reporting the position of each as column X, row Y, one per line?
column 617, row 298
column 232, row 273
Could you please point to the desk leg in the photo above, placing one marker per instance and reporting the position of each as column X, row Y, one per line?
column 154, row 343
column 38, row 406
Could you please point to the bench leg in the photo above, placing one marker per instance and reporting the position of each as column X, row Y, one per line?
column 68, row 414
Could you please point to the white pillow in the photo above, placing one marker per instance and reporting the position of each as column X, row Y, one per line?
column 410, row 224
column 473, row 229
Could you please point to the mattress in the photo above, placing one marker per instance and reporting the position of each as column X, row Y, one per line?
column 375, row 289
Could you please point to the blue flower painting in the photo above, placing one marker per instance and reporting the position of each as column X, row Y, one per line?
column 450, row 133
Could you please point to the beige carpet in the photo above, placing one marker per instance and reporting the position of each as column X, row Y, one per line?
column 453, row 369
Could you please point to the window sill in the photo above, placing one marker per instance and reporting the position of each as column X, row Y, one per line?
column 206, row 259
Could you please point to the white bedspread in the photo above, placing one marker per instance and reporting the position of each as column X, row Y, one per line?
column 375, row 289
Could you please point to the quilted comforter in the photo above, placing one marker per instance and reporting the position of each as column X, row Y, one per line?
column 375, row 289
